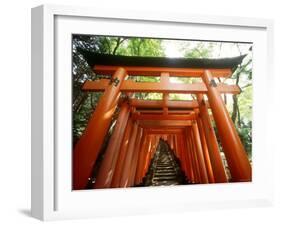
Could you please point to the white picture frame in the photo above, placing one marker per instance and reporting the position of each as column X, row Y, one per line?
column 52, row 197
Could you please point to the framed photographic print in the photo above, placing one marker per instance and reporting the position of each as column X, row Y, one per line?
column 135, row 114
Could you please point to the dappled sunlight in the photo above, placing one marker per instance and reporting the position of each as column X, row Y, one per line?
column 109, row 176
column 180, row 96
column 144, row 78
column 184, row 80
column 148, row 96
column 108, row 114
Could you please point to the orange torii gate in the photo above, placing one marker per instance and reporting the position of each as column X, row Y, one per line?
column 184, row 125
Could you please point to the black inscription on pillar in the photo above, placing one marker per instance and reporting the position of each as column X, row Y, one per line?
column 213, row 83
column 114, row 81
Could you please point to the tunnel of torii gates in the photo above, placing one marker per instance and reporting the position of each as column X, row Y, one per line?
column 185, row 125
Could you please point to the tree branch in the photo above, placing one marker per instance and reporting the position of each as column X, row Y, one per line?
column 245, row 86
column 118, row 43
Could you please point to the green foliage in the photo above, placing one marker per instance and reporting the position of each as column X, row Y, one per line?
column 80, row 117
column 141, row 47
column 180, row 96
column 200, row 50
column 245, row 133
column 245, row 104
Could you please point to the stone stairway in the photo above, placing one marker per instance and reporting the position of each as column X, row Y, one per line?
column 164, row 169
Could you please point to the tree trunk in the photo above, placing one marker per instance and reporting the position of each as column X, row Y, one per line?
column 235, row 108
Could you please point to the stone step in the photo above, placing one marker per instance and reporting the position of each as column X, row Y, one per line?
column 165, row 173
column 168, row 173
column 165, row 170
column 163, row 159
column 165, row 183
column 163, row 178
column 166, row 166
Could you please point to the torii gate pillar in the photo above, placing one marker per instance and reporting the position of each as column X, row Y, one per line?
column 109, row 161
column 89, row 145
column 235, row 153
